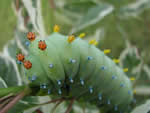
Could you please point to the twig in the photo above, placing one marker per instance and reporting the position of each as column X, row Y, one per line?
column 13, row 102
column 5, row 103
column 70, row 106
column 6, row 97
column 17, row 4
column 52, row 4
column 53, row 110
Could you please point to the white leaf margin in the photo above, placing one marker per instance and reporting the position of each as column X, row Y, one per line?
column 35, row 16
column 144, row 108
column 3, row 82
column 135, row 9
column 8, row 59
column 94, row 21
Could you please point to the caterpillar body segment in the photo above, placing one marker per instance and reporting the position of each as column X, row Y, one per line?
column 68, row 52
column 85, row 69
column 35, row 74
column 103, row 82
column 50, row 61
column 81, row 70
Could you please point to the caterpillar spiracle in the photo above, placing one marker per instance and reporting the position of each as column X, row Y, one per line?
column 71, row 67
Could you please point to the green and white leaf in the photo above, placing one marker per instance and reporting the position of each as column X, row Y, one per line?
column 144, row 108
column 93, row 16
column 134, row 9
column 34, row 10
column 2, row 83
column 9, row 70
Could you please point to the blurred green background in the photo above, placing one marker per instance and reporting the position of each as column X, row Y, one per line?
column 7, row 22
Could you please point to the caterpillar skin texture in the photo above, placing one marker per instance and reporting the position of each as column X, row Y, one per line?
column 78, row 69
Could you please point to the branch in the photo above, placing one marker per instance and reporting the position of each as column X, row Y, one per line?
column 70, row 106
column 53, row 110
column 13, row 102
column 52, row 4
column 5, row 102
column 6, row 97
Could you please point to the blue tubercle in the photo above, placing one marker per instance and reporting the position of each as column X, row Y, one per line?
column 27, row 43
column 51, row 65
column 34, row 77
column 122, row 85
column 90, row 57
column 82, row 81
column 108, row 102
column 129, row 92
column 59, row 92
column 49, row 91
column 59, row 82
column 91, row 89
column 100, row 96
column 116, row 108
column 19, row 62
column 72, row 61
column 43, row 86
column 71, row 80
column 103, row 68
column 114, row 77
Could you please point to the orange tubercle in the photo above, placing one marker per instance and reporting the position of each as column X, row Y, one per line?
column 31, row 36
column 42, row 45
column 20, row 57
column 27, row 64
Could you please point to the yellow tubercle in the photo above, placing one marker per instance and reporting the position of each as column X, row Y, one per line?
column 116, row 60
column 71, row 38
column 91, row 42
column 82, row 35
column 56, row 28
column 96, row 43
column 125, row 69
column 134, row 91
column 132, row 78
column 106, row 51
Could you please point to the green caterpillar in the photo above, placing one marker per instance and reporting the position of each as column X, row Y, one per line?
column 74, row 68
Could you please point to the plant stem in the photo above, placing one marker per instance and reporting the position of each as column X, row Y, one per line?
column 52, row 4
column 6, row 97
column 15, row 100
column 5, row 103
column 57, row 104
column 70, row 106
column 17, row 4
